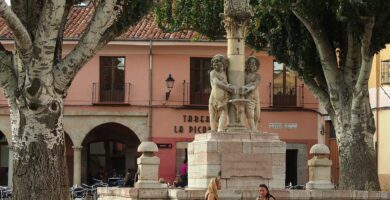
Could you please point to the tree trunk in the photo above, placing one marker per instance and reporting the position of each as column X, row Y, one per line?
column 40, row 170
column 357, row 155
column 358, row 168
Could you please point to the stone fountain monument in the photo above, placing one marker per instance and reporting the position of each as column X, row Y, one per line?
column 234, row 149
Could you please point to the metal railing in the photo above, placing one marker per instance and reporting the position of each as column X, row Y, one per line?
column 106, row 94
column 286, row 96
column 278, row 97
column 194, row 98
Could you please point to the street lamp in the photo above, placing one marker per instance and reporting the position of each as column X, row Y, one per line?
column 170, row 82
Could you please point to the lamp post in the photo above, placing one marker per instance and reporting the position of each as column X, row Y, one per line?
column 236, row 17
column 170, row 82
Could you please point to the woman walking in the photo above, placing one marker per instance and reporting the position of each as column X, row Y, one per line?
column 212, row 190
column 264, row 193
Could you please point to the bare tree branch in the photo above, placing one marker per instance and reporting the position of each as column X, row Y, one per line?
column 350, row 52
column 60, row 38
column 88, row 45
column 319, row 92
column 324, row 47
column 353, row 56
column 22, row 37
column 8, row 78
column 46, row 37
column 328, row 60
column 366, row 62
column 361, row 87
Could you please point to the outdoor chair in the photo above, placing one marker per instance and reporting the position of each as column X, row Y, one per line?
column 91, row 190
column 79, row 192
column 5, row 193
column 98, row 183
column 295, row 187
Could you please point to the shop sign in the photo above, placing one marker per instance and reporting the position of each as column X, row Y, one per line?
column 193, row 124
column 164, row 146
column 290, row 125
column 277, row 125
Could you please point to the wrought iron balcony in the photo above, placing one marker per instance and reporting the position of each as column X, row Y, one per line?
column 193, row 95
column 111, row 93
column 292, row 96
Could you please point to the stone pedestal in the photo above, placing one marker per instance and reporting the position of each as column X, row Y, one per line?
column 148, row 166
column 319, row 168
column 244, row 160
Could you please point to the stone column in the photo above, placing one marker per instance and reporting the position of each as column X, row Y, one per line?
column 319, row 168
column 148, row 166
column 236, row 16
column 10, row 166
column 77, row 165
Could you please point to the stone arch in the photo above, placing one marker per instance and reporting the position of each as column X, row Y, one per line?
column 137, row 124
column 5, row 128
column 109, row 149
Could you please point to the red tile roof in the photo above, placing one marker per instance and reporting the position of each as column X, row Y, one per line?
column 145, row 29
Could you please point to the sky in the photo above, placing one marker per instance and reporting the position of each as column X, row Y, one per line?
column 7, row 1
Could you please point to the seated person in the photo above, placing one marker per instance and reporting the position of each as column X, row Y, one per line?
column 178, row 182
column 129, row 179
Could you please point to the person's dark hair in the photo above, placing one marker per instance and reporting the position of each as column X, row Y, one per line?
column 268, row 195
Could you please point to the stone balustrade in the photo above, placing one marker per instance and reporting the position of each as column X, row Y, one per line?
column 180, row 194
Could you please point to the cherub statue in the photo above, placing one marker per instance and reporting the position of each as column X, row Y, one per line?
column 219, row 95
column 251, row 92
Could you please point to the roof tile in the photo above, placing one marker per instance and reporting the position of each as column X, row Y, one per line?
column 80, row 16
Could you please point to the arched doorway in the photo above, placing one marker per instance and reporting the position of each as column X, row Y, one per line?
column 109, row 150
column 4, row 159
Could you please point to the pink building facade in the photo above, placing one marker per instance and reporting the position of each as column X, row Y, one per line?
column 120, row 99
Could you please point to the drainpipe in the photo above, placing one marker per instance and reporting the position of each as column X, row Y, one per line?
column 377, row 77
column 150, row 115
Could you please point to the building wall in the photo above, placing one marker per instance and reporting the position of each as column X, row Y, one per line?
column 383, row 149
column 380, row 102
column 172, row 123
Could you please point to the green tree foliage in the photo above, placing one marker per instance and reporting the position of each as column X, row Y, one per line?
column 202, row 16
column 329, row 43
column 275, row 25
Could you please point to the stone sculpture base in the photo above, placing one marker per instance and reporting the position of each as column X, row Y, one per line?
column 147, row 184
column 245, row 160
column 319, row 185
column 115, row 193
